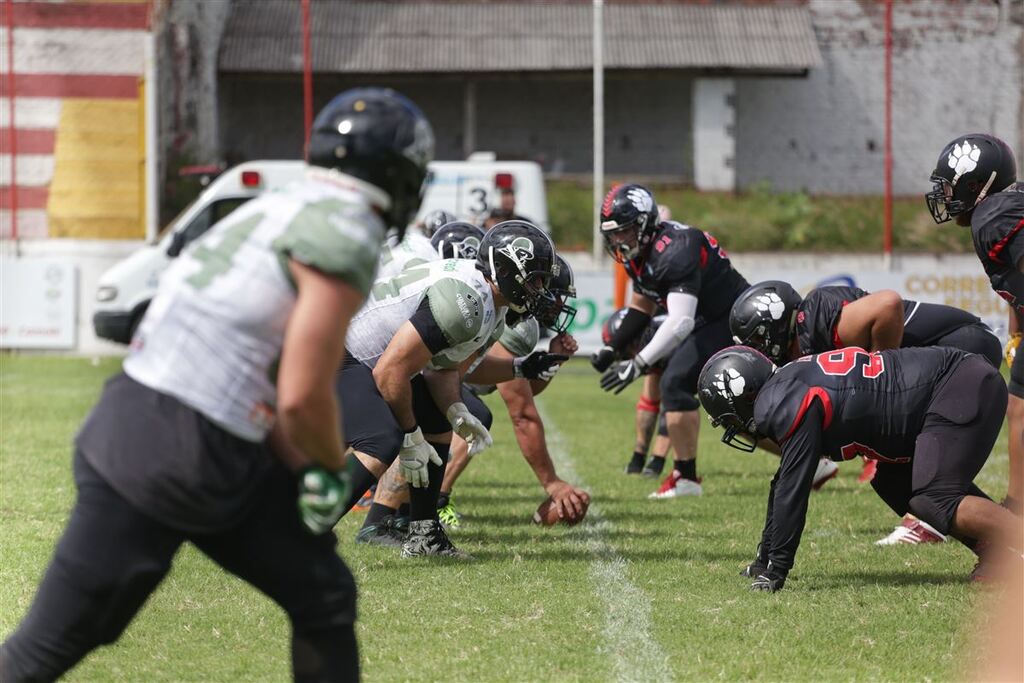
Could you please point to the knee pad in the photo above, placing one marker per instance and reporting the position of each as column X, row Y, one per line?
column 937, row 510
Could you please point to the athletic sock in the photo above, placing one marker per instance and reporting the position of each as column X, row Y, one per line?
column 687, row 469
column 361, row 478
column 423, row 500
column 443, row 499
column 377, row 513
column 403, row 510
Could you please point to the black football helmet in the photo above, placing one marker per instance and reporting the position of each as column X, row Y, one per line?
column 457, row 239
column 762, row 317
column 379, row 136
column 629, row 216
column 434, row 220
column 614, row 322
column 970, row 168
column 557, row 315
column 728, row 386
column 519, row 258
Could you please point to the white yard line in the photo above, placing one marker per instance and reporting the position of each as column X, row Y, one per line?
column 629, row 640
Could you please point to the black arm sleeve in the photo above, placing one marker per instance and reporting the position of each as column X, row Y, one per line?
column 429, row 331
column 792, row 489
column 633, row 325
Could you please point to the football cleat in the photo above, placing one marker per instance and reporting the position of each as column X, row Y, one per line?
column 635, row 464
column 654, row 467
column 912, row 531
column 868, row 473
column 826, row 470
column 675, row 486
column 449, row 516
column 427, row 537
column 391, row 531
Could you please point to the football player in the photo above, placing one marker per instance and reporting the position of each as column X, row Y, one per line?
column 384, row 526
column 247, row 323
column 425, row 324
column 773, row 318
column 684, row 270
column 975, row 183
column 929, row 416
column 434, row 221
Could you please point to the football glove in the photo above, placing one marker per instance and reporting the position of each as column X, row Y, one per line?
column 622, row 374
column 603, row 358
column 322, row 498
column 769, row 581
column 1011, row 348
column 413, row 458
column 468, row 427
column 538, row 365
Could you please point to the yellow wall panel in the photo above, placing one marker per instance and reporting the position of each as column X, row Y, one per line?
column 96, row 181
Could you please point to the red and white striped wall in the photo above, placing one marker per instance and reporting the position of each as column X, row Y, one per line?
column 62, row 52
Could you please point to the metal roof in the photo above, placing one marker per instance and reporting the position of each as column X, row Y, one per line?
column 264, row 36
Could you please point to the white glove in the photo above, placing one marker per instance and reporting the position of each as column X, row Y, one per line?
column 468, row 427
column 413, row 459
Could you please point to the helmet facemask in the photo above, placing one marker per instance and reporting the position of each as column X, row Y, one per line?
column 625, row 242
column 940, row 200
column 558, row 315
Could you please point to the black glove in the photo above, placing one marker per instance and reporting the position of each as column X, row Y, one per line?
column 622, row 374
column 538, row 365
column 770, row 580
column 603, row 358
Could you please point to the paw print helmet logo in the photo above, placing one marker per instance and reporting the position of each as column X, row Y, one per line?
column 728, row 387
column 969, row 168
column 764, row 318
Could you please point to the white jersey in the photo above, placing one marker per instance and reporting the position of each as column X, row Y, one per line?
column 519, row 340
column 212, row 336
column 460, row 300
column 411, row 251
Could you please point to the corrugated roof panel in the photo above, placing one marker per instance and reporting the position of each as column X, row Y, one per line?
column 375, row 37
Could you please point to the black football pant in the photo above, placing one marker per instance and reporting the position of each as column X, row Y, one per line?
column 111, row 557
column 960, row 428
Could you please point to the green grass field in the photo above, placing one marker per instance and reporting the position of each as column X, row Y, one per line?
column 644, row 590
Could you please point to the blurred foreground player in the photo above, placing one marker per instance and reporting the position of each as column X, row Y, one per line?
column 929, row 416
column 182, row 445
column 974, row 182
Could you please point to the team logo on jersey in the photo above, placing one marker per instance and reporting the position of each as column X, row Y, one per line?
column 519, row 250
column 730, row 383
column 770, row 303
column 963, row 159
column 641, row 199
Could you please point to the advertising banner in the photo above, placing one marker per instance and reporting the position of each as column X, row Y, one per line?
column 38, row 300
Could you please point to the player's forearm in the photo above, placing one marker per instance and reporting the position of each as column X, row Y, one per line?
column 530, row 435
column 396, row 391
column 682, row 309
column 311, row 426
column 491, row 370
column 444, row 386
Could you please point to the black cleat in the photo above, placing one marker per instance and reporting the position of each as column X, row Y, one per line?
column 654, row 466
column 636, row 464
column 391, row 531
column 427, row 537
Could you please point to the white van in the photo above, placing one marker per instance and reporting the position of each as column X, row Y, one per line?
column 124, row 291
column 468, row 189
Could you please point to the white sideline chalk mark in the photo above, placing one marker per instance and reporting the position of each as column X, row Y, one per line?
column 635, row 653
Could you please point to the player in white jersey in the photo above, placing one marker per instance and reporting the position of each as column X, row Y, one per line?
column 396, row 255
column 427, row 324
column 249, row 322
column 384, row 522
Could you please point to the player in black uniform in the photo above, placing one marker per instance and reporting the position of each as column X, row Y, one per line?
column 772, row 318
column 974, row 182
column 928, row 416
column 684, row 270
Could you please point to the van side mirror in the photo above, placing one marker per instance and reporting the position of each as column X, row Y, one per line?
column 177, row 244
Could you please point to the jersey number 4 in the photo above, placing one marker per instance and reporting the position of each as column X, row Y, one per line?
column 842, row 362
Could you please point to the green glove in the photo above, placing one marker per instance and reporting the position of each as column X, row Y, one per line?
column 322, row 497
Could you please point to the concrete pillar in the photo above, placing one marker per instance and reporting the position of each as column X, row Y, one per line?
column 469, row 119
column 714, row 141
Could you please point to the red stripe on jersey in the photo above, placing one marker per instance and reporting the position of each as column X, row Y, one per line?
column 998, row 247
column 805, row 405
column 837, row 343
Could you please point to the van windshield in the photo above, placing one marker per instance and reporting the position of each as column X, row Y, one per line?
column 206, row 218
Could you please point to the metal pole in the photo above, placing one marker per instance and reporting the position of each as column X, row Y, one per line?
column 12, row 134
column 151, row 190
column 598, row 31
column 887, row 239
column 307, row 78
column 469, row 119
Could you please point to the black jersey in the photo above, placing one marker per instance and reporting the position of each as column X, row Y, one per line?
column 685, row 259
column 924, row 324
column 844, row 404
column 994, row 228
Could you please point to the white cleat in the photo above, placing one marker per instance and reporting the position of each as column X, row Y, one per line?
column 675, row 486
column 826, row 470
column 912, row 531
